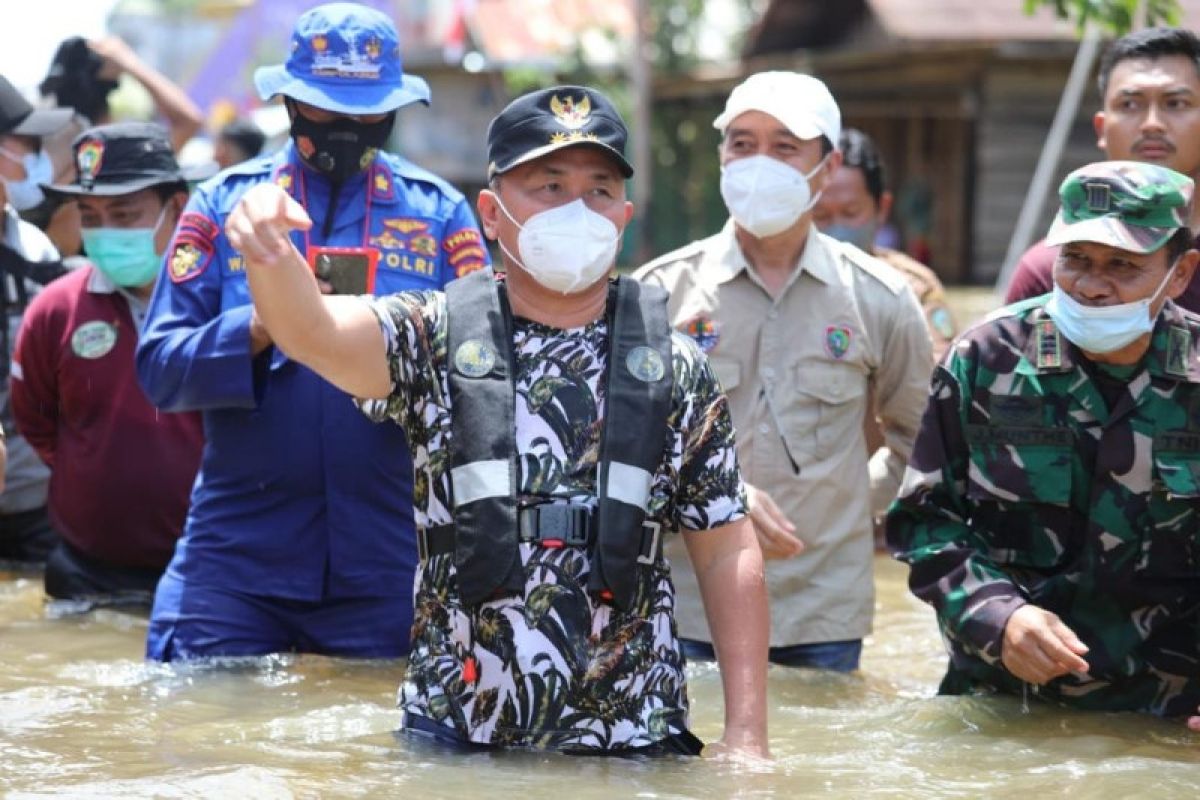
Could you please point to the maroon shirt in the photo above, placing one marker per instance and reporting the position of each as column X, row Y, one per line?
column 121, row 471
column 1034, row 276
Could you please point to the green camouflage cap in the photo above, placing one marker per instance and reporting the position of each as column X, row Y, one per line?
column 1126, row 204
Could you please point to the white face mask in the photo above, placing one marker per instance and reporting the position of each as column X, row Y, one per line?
column 1103, row 329
column 566, row 248
column 25, row 194
column 764, row 195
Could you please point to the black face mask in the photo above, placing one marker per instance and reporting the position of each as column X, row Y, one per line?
column 340, row 148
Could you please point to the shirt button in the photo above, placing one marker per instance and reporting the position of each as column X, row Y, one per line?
column 772, row 314
column 768, row 373
column 764, row 428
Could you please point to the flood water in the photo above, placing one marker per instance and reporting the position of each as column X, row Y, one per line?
column 82, row 715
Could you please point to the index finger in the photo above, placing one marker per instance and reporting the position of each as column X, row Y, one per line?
column 1054, row 646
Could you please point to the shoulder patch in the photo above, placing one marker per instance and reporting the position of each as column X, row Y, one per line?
column 893, row 279
column 193, row 246
column 465, row 251
column 382, row 186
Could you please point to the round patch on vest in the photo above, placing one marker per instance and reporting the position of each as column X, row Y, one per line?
column 474, row 358
column 93, row 339
column 645, row 364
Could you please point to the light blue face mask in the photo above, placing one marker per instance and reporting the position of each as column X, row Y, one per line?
column 25, row 194
column 127, row 256
column 861, row 236
column 1103, row 329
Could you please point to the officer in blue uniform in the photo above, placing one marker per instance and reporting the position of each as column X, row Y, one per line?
column 300, row 535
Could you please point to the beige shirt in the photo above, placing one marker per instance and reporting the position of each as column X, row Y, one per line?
column 797, row 370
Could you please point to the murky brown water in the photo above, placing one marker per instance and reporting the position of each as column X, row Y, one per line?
column 81, row 715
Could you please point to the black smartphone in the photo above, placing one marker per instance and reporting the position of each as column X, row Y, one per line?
column 349, row 270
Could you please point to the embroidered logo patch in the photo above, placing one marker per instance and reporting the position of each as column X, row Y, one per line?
column 572, row 114
column 474, row 358
column 645, row 364
column 703, row 332
column 93, row 340
column 837, row 341
column 193, row 247
column 464, row 250
column 88, row 159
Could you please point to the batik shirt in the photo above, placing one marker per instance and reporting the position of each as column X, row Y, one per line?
column 553, row 668
column 1027, row 485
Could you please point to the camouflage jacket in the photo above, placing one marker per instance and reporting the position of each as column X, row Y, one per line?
column 1024, row 488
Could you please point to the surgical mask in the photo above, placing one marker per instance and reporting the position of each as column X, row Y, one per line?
column 764, row 195
column 1102, row 329
column 342, row 147
column 26, row 194
column 127, row 256
column 566, row 248
column 861, row 236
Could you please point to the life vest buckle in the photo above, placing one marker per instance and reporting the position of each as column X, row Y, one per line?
column 648, row 555
column 555, row 525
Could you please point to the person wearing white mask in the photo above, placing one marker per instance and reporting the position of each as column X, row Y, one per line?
column 560, row 430
column 1049, row 512
column 120, row 471
column 801, row 330
column 28, row 260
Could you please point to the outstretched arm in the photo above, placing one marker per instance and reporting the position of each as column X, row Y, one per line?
column 337, row 337
column 729, row 569
column 182, row 114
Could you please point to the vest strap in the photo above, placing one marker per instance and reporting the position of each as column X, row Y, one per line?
column 483, row 468
column 638, row 402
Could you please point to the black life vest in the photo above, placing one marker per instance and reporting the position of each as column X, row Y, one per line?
column 483, row 455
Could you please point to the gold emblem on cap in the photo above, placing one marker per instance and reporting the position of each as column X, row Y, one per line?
column 474, row 358
column 572, row 114
column 573, row 136
column 645, row 364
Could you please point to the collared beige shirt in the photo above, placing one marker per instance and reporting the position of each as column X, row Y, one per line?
column 797, row 369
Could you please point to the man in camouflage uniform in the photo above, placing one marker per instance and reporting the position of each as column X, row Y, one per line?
column 1049, row 512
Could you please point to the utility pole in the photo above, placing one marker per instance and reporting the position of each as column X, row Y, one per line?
column 642, row 78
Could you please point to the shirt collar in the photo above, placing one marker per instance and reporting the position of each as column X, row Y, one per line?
column 99, row 283
column 726, row 261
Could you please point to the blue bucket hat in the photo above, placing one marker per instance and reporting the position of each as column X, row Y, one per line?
column 345, row 58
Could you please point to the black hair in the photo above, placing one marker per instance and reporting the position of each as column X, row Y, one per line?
column 1180, row 242
column 826, row 146
column 247, row 136
column 166, row 191
column 859, row 152
column 1151, row 43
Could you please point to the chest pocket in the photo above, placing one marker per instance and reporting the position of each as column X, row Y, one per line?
column 825, row 413
column 1170, row 548
column 1019, row 482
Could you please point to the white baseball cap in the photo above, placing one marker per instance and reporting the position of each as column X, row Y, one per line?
column 800, row 102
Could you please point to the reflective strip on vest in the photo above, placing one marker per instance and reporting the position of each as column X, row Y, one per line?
column 629, row 484
column 479, row 480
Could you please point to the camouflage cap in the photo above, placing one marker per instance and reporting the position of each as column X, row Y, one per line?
column 1124, row 204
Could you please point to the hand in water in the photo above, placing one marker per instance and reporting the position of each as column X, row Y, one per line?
column 1038, row 647
column 776, row 534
